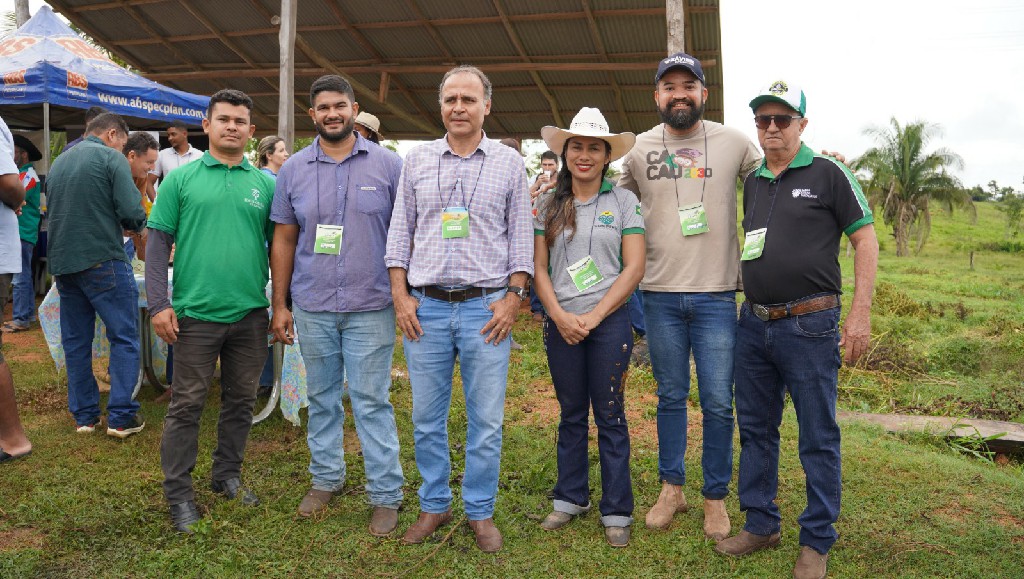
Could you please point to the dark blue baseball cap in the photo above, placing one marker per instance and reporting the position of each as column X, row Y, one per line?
column 680, row 60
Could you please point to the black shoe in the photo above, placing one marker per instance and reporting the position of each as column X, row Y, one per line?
column 184, row 515
column 233, row 488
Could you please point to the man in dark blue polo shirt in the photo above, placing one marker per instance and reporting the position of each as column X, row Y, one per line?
column 797, row 206
column 332, row 207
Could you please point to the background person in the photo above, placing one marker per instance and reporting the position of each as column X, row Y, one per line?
column 589, row 235
column 23, row 308
column 271, row 153
column 368, row 126
column 91, row 200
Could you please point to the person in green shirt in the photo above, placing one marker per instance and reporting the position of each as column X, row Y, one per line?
column 91, row 199
column 217, row 213
column 23, row 309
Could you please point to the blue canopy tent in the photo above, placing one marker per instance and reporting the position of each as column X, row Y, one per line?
column 46, row 63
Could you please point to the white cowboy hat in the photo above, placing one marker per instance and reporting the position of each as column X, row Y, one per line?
column 370, row 122
column 589, row 122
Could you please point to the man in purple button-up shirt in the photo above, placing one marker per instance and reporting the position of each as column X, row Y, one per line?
column 332, row 206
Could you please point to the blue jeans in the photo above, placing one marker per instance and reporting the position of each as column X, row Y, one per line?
column 635, row 307
column 453, row 330
column 360, row 344
column 799, row 355
column 704, row 324
column 23, row 307
column 107, row 289
column 591, row 373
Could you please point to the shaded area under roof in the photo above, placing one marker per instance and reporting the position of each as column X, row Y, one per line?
column 546, row 58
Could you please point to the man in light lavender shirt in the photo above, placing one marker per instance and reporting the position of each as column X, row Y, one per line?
column 461, row 237
column 332, row 206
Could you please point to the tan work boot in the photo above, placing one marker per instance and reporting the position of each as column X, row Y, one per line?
column 670, row 502
column 810, row 564
column 716, row 520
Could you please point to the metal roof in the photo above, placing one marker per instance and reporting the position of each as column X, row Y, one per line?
column 545, row 58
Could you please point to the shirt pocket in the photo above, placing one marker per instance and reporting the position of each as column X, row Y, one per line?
column 372, row 199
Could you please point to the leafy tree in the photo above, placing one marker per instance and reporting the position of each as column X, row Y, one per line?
column 904, row 179
column 1012, row 205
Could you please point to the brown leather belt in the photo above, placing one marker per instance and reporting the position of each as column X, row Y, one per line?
column 456, row 295
column 794, row 308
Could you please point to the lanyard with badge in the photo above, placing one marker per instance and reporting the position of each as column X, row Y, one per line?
column 328, row 236
column 584, row 272
column 753, row 244
column 693, row 220
column 455, row 219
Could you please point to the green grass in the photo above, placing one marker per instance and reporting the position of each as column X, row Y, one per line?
column 947, row 340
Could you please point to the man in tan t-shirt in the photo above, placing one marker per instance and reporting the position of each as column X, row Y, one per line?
column 685, row 173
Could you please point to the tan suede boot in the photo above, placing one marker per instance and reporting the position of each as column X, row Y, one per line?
column 716, row 520
column 670, row 502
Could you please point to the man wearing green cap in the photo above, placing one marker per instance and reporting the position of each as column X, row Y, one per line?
column 796, row 206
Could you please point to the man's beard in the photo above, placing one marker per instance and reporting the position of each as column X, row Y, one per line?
column 337, row 136
column 682, row 120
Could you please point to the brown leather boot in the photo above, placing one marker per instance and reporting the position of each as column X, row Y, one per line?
column 670, row 502
column 810, row 564
column 383, row 521
column 746, row 543
column 425, row 526
column 314, row 502
column 716, row 520
column 488, row 537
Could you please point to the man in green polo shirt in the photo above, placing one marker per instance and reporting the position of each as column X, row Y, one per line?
column 217, row 212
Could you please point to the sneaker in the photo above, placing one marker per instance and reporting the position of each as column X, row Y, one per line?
column 87, row 428
column 134, row 426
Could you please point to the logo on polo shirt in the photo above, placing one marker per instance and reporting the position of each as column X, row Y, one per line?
column 255, row 201
column 606, row 218
column 805, row 193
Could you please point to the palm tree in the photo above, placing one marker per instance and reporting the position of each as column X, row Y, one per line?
column 903, row 178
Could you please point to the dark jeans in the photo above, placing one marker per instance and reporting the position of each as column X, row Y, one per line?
column 635, row 307
column 799, row 355
column 592, row 373
column 242, row 349
column 109, row 290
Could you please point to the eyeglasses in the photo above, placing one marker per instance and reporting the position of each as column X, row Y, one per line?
column 781, row 121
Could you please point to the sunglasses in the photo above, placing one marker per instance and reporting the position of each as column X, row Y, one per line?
column 781, row 121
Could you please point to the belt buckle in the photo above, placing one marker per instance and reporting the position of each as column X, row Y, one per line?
column 761, row 312
column 458, row 295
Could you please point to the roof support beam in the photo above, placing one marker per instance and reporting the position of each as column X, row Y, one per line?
column 286, row 92
column 325, row 67
column 377, row 56
column 595, row 35
column 526, row 59
column 675, row 17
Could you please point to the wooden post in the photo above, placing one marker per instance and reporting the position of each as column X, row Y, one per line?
column 21, row 13
column 676, row 20
column 286, row 103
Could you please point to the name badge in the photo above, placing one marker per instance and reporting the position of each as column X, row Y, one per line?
column 454, row 222
column 584, row 274
column 693, row 219
column 753, row 245
column 328, row 239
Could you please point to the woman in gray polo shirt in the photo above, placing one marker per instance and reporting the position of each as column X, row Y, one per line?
column 589, row 257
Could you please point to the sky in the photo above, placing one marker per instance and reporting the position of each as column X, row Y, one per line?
column 955, row 64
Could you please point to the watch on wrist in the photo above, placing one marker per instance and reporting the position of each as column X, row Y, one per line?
column 519, row 291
